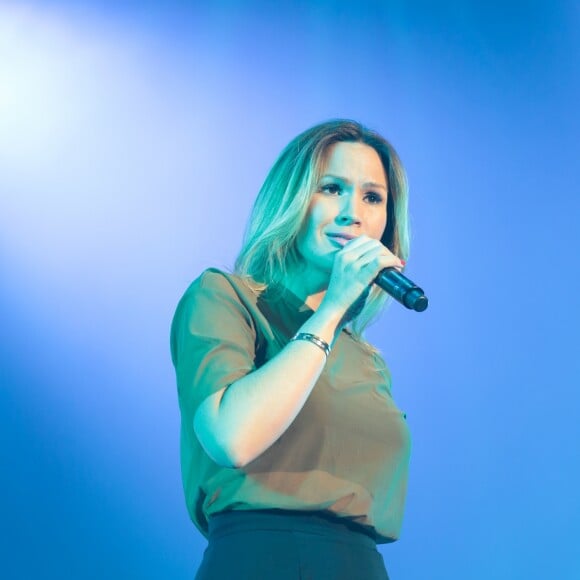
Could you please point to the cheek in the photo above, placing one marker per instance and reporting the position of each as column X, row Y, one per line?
column 321, row 213
column 315, row 219
column 311, row 231
column 306, row 233
column 377, row 226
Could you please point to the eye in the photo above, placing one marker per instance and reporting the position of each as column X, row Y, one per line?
column 373, row 197
column 332, row 188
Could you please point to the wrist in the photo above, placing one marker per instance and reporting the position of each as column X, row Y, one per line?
column 325, row 323
column 314, row 339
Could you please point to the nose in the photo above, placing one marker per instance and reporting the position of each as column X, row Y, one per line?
column 349, row 213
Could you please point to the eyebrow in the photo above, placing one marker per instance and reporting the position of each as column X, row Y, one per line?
column 349, row 182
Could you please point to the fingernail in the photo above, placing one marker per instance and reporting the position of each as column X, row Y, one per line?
column 403, row 262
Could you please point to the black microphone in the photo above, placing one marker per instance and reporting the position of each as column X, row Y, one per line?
column 402, row 289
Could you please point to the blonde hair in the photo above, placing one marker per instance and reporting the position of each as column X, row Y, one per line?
column 269, row 245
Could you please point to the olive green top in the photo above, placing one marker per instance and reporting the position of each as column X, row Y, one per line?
column 346, row 452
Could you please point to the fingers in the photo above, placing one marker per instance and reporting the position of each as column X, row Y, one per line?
column 355, row 267
column 365, row 252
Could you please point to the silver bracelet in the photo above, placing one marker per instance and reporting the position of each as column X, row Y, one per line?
column 323, row 345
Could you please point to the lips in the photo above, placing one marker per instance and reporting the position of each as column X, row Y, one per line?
column 340, row 239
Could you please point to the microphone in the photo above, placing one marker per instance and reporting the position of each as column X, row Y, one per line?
column 402, row 289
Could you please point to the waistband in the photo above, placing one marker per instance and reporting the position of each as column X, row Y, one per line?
column 313, row 522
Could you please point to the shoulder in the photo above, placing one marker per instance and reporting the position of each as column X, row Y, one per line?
column 219, row 293
column 215, row 302
column 219, row 283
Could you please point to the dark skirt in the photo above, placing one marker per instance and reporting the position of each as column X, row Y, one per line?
column 288, row 545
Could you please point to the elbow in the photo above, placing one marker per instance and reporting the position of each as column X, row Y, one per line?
column 223, row 456
column 226, row 455
column 215, row 443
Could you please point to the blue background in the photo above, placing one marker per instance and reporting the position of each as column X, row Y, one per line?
column 133, row 139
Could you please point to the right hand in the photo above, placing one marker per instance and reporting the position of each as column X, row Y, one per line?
column 355, row 267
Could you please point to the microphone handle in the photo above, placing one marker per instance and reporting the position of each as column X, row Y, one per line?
column 402, row 289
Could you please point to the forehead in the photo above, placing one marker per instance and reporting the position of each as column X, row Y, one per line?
column 354, row 160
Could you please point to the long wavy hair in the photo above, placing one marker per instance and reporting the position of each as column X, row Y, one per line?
column 269, row 246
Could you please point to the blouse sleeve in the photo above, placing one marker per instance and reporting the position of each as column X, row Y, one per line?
column 212, row 339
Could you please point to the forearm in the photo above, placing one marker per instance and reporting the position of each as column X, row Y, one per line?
column 239, row 423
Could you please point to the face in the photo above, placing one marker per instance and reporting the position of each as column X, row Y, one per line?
column 350, row 199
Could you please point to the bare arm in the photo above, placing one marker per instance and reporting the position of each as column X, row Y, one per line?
column 257, row 409
column 239, row 422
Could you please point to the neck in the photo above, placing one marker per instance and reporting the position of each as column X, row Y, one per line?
column 309, row 287
column 313, row 300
